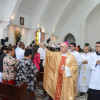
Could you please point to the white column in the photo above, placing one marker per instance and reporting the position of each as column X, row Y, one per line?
column 83, row 34
column 3, row 30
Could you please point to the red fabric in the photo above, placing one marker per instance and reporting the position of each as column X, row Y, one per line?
column 36, row 60
column 9, row 82
column 60, row 79
column 77, row 48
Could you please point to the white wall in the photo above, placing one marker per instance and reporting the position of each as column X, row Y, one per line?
column 27, row 20
column 93, row 27
column 69, row 19
column 27, row 35
column 73, row 22
column 6, row 9
column 26, row 29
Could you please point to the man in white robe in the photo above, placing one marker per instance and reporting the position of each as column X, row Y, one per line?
column 85, row 72
column 78, row 59
column 94, row 86
column 75, row 53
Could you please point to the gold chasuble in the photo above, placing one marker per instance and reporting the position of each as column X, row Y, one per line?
column 55, row 82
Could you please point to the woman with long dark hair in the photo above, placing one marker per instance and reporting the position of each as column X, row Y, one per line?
column 36, row 56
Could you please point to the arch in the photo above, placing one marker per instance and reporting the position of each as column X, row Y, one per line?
column 96, row 7
column 70, row 38
column 92, row 26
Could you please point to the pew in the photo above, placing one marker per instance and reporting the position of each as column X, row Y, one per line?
column 39, row 82
column 40, row 79
column 13, row 92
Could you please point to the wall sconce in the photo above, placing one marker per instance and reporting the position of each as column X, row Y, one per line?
column 38, row 25
column 13, row 16
column 53, row 30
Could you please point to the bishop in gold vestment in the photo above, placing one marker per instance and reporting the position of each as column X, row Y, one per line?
column 56, row 83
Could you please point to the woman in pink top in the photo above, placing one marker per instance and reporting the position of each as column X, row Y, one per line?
column 36, row 56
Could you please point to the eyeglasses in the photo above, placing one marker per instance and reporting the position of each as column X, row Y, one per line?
column 97, row 46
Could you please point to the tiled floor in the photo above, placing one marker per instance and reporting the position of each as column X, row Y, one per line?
column 46, row 98
column 41, row 96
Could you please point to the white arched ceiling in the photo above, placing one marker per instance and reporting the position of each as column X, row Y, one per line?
column 63, row 16
column 55, row 14
column 45, row 12
column 33, row 9
column 6, row 9
column 91, row 13
column 76, row 15
column 15, row 10
column 73, row 20
column 93, row 26
column 52, row 13
column 2, row 8
column 62, row 19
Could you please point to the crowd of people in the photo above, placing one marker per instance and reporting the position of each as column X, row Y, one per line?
column 69, row 71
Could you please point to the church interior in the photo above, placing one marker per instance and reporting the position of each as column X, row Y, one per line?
column 50, row 22
column 56, row 18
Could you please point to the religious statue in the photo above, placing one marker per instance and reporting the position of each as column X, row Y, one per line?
column 17, row 36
